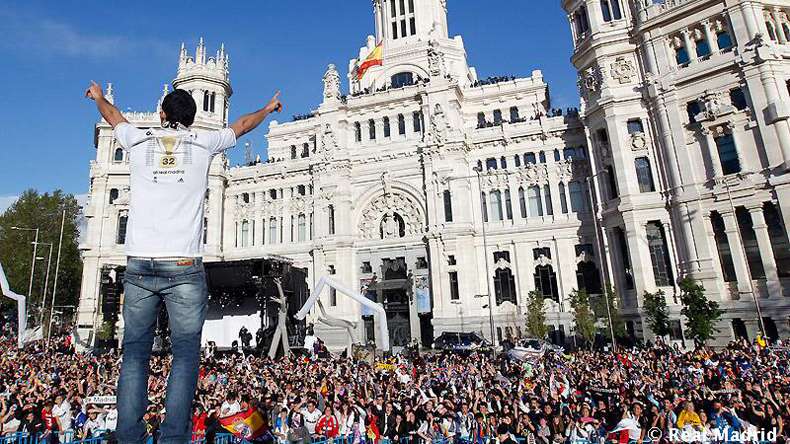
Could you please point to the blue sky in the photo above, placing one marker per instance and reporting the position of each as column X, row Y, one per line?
column 53, row 49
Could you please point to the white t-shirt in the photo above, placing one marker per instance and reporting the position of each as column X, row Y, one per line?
column 169, row 178
column 311, row 419
column 229, row 409
column 63, row 413
column 111, row 420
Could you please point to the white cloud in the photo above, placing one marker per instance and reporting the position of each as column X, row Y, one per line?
column 46, row 36
column 7, row 201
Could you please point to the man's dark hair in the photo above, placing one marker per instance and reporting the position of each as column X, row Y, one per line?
column 179, row 107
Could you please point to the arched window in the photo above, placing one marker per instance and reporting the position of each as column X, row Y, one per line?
column 402, row 79
column 386, row 127
column 123, row 219
column 517, row 160
column 644, row 175
column 771, row 30
column 302, row 228
column 481, row 120
column 588, row 278
column 514, row 117
column 557, row 155
column 547, row 199
column 496, row 205
column 508, row 205
column 331, row 212
column 401, row 124
column 358, row 131
column 563, row 199
column 417, row 119
column 497, row 117
column 610, row 10
column 212, row 101
column 205, row 101
column 535, row 201
column 522, row 202
column 503, row 162
column 371, row 129
column 113, row 195
column 118, row 155
column 245, row 234
column 504, row 286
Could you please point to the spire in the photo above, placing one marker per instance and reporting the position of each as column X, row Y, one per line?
column 165, row 91
column 108, row 95
column 200, row 53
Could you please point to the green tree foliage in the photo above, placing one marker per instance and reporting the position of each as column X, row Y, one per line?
column 601, row 313
column 583, row 315
column 656, row 312
column 701, row 313
column 42, row 211
column 536, row 316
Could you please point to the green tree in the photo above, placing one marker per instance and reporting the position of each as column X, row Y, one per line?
column 656, row 312
column 602, row 314
column 701, row 313
column 536, row 316
column 583, row 315
column 42, row 211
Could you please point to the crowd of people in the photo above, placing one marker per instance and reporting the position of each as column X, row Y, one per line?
column 586, row 396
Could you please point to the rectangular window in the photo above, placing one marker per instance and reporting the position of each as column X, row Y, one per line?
column 612, row 179
column 371, row 129
column 644, row 175
column 728, row 155
column 302, row 228
column 496, row 205
column 394, row 29
column 481, row 120
column 358, row 132
column 635, row 126
column 491, row 163
column 738, row 99
column 485, row 206
column 331, row 211
column 625, row 258
column 386, row 127
column 681, row 56
column 413, row 26
column 547, row 199
column 659, row 254
column 542, row 157
column 497, row 117
column 703, row 48
column 448, row 206
column 517, row 160
column 401, row 124
column 522, row 203
column 245, row 234
column 122, row 222
column 403, row 27
column 577, row 197
column 724, row 40
column 529, row 158
column 454, row 293
column 692, row 109
column 272, row 231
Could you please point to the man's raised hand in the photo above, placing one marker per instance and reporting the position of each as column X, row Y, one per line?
column 274, row 105
column 94, row 92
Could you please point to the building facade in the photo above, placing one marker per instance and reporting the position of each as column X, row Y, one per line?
column 449, row 198
column 685, row 106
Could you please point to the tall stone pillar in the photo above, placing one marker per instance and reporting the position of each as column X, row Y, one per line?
column 736, row 251
column 766, row 252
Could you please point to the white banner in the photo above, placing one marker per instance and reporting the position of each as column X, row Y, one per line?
column 107, row 399
column 20, row 300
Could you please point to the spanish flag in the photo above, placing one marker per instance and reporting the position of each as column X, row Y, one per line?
column 248, row 425
column 375, row 58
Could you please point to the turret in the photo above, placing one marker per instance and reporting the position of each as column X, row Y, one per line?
column 207, row 79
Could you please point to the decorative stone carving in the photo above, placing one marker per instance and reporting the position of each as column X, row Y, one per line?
column 623, row 70
column 590, row 79
column 638, row 141
column 391, row 215
column 713, row 106
column 331, row 83
column 438, row 134
column 436, row 65
column 328, row 144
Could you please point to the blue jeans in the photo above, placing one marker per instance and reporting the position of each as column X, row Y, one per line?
column 182, row 286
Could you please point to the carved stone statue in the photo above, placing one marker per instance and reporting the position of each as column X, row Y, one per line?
column 331, row 83
column 389, row 226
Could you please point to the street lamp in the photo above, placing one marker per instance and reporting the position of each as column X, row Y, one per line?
column 479, row 169
column 599, row 241
column 46, row 283
column 33, row 261
column 460, row 311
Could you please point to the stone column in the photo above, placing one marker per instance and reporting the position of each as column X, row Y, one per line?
column 690, row 48
column 780, row 35
column 744, row 158
column 766, row 252
column 565, row 266
column 710, row 36
column 713, row 152
column 641, row 263
column 736, row 251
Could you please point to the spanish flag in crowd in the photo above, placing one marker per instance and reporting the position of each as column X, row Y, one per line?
column 375, row 58
column 248, row 425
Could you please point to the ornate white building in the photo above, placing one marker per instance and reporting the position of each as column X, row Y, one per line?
column 431, row 189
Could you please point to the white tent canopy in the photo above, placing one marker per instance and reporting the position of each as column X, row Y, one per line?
column 20, row 301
